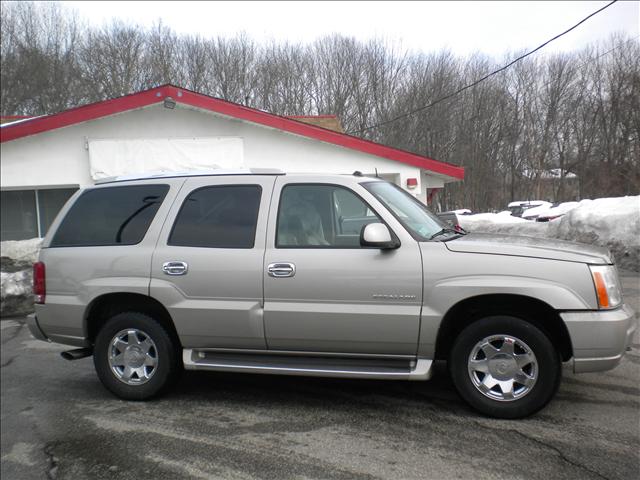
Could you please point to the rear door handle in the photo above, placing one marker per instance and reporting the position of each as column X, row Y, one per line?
column 281, row 270
column 175, row 268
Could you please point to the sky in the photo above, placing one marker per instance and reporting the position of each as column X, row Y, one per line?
column 492, row 28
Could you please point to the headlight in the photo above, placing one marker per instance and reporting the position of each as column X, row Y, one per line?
column 605, row 280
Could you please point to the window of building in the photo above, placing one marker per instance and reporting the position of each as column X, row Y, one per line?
column 321, row 216
column 29, row 213
column 110, row 216
column 218, row 217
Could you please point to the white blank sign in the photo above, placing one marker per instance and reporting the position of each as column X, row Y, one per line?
column 113, row 157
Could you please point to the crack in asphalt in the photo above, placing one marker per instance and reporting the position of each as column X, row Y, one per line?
column 535, row 440
column 52, row 467
column 8, row 362
column 559, row 452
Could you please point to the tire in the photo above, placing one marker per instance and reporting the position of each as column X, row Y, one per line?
column 500, row 384
column 135, row 357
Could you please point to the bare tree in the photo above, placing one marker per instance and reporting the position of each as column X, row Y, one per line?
column 576, row 114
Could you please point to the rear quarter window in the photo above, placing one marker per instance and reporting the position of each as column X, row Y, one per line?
column 110, row 216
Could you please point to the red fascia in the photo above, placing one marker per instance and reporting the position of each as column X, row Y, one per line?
column 156, row 95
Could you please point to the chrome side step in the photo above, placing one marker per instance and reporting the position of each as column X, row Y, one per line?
column 374, row 368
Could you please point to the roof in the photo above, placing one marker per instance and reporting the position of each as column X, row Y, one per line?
column 73, row 116
column 13, row 118
column 331, row 122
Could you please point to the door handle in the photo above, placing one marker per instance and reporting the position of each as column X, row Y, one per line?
column 281, row 270
column 175, row 268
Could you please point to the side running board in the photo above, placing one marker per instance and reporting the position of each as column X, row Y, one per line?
column 316, row 366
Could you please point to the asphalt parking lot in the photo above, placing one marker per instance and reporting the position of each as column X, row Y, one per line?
column 57, row 421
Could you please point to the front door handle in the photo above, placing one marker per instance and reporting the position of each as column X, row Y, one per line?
column 175, row 268
column 281, row 270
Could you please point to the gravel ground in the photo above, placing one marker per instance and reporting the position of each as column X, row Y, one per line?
column 57, row 421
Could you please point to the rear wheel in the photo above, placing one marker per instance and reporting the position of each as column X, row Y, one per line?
column 505, row 367
column 135, row 357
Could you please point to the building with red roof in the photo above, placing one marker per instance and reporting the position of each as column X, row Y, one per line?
column 45, row 159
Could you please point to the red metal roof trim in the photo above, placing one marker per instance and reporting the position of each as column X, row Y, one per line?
column 156, row 95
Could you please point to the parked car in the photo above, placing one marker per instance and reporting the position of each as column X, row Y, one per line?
column 519, row 208
column 451, row 219
column 321, row 275
column 557, row 210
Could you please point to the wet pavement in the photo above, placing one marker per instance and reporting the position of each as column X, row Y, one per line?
column 57, row 421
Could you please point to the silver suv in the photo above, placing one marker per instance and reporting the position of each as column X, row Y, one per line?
column 325, row 275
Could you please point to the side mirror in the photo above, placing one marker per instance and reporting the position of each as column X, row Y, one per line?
column 377, row 235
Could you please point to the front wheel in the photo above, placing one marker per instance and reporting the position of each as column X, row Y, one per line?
column 505, row 367
column 135, row 357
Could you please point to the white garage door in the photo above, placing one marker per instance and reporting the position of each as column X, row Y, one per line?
column 112, row 157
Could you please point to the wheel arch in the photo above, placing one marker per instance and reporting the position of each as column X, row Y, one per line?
column 530, row 309
column 106, row 306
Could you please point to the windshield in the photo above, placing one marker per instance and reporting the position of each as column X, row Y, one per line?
column 413, row 214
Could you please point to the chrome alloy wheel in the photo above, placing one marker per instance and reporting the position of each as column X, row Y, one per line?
column 503, row 368
column 133, row 356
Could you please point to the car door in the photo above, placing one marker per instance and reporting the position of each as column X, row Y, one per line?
column 207, row 265
column 326, row 293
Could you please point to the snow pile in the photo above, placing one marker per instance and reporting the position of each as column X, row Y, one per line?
column 16, row 296
column 494, row 218
column 16, row 260
column 608, row 222
column 21, row 250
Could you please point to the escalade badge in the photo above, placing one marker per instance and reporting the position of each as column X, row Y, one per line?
column 392, row 296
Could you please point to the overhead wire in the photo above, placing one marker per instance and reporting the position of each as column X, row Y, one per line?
column 482, row 79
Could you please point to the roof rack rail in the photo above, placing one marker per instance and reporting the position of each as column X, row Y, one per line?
column 190, row 173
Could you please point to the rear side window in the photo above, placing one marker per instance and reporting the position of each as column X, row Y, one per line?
column 110, row 216
column 218, row 217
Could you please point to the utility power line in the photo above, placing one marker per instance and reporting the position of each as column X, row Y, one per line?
column 480, row 80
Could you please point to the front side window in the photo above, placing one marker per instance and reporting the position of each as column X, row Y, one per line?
column 218, row 217
column 321, row 216
column 110, row 216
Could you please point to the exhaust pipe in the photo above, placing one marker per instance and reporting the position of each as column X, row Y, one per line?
column 77, row 353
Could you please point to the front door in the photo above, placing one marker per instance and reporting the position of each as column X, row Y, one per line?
column 207, row 265
column 323, row 291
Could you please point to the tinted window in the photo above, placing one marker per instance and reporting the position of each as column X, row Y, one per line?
column 321, row 216
column 218, row 217
column 110, row 216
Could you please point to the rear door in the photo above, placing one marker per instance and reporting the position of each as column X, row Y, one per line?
column 323, row 291
column 207, row 266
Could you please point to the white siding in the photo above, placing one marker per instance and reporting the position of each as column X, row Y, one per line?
column 61, row 157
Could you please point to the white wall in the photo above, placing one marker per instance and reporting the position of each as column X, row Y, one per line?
column 61, row 157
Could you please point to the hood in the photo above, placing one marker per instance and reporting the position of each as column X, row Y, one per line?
column 495, row 244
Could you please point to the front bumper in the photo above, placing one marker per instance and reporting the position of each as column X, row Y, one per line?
column 599, row 338
column 34, row 328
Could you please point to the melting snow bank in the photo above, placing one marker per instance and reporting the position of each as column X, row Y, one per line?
column 16, row 262
column 609, row 222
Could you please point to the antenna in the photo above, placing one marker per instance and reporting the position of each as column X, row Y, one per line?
column 377, row 176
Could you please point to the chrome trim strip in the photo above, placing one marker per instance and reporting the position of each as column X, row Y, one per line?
column 422, row 370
